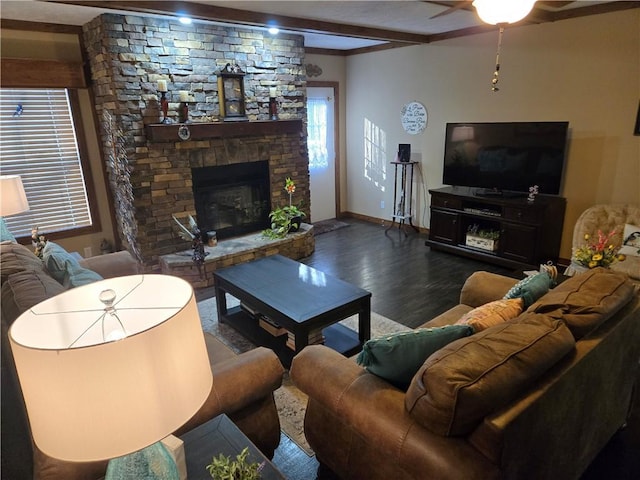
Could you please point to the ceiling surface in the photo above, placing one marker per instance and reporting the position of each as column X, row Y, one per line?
column 339, row 27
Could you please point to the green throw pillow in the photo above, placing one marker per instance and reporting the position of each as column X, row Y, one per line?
column 62, row 266
column 397, row 357
column 531, row 288
column 5, row 234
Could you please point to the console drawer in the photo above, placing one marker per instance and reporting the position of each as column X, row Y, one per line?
column 529, row 215
column 446, row 202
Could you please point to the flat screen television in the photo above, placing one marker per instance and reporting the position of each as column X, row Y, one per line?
column 505, row 157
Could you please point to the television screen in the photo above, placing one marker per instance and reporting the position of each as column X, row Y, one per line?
column 506, row 157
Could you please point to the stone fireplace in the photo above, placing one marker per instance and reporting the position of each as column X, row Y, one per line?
column 151, row 169
column 232, row 199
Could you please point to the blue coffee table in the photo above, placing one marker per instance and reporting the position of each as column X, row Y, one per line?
column 298, row 298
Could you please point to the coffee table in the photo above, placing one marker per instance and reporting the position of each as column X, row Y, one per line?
column 220, row 436
column 298, row 298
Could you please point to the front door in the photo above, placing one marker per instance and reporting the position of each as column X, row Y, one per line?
column 322, row 157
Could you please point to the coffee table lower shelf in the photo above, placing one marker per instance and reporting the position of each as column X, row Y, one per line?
column 337, row 336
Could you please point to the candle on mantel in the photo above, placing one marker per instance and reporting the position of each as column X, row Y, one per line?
column 184, row 96
column 162, row 85
column 272, row 92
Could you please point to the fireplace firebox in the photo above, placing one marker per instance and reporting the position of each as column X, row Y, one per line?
column 232, row 199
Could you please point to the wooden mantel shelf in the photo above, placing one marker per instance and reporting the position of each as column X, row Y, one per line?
column 159, row 132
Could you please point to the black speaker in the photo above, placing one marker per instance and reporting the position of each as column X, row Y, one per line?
column 404, row 152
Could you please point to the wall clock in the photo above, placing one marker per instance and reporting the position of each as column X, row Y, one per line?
column 184, row 133
column 414, row 118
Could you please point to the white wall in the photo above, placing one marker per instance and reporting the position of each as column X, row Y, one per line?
column 585, row 70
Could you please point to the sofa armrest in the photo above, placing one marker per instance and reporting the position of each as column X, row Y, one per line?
column 484, row 287
column 350, row 410
column 237, row 383
column 116, row 264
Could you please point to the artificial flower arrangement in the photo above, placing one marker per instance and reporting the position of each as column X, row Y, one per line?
column 287, row 218
column 601, row 253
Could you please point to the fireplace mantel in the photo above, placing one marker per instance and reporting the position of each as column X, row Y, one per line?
column 160, row 132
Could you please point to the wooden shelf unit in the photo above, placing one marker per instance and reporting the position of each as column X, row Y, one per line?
column 530, row 233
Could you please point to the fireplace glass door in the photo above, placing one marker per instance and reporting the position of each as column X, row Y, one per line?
column 233, row 199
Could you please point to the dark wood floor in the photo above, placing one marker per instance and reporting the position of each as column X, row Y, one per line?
column 411, row 284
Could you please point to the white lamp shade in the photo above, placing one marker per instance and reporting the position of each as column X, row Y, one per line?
column 12, row 196
column 495, row 12
column 100, row 400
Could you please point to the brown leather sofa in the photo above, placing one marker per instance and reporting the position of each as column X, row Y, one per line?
column 535, row 397
column 243, row 385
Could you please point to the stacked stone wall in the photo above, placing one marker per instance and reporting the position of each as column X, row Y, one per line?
column 129, row 54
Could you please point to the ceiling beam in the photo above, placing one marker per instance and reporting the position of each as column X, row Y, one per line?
column 245, row 17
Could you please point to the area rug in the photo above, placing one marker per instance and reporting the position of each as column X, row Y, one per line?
column 325, row 226
column 290, row 401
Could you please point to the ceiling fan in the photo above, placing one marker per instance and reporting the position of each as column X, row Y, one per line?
column 467, row 5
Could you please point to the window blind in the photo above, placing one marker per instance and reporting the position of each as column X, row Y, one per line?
column 38, row 142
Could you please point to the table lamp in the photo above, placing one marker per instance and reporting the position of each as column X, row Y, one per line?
column 12, row 200
column 111, row 368
column 12, row 197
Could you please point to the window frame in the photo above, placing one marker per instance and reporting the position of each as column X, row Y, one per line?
column 87, row 175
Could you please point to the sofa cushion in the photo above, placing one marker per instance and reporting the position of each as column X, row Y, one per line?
column 492, row 313
column 397, row 357
column 531, row 288
column 16, row 258
column 65, row 268
column 22, row 290
column 586, row 300
column 469, row 378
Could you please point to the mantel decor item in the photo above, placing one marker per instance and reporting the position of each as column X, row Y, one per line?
column 231, row 93
column 111, row 368
column 273, row 104
column 164, row 101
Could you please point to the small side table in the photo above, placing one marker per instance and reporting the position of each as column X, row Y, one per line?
column 220, row 435
column 402, row 206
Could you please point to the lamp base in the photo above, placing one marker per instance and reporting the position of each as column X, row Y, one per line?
column 151, row 463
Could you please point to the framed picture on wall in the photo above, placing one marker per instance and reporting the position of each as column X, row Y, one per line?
column 636, row 131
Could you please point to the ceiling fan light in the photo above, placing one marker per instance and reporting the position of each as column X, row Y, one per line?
column 495, row 12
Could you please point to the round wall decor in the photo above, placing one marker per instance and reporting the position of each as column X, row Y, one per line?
column 413, row 117
column 184, row 133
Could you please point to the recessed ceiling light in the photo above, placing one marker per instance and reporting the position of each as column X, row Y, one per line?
column 274, row 30
column 185, row 20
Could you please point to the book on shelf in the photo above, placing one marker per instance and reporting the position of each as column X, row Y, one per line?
column 316, row 337
column 272, row 327
column 250, row 310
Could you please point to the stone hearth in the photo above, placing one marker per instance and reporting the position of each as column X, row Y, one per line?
column 237, row 250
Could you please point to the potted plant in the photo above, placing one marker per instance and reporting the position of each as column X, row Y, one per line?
column 224, row 468
column 285, row 219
